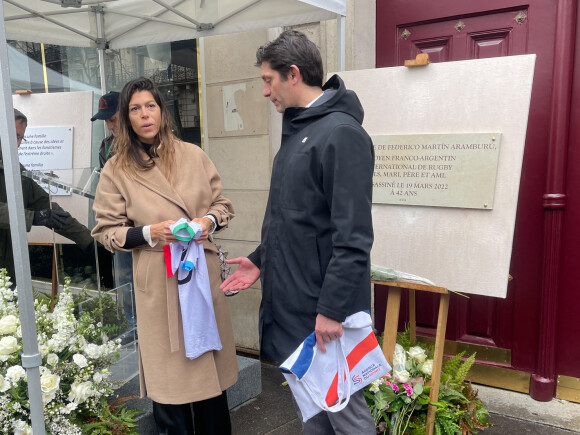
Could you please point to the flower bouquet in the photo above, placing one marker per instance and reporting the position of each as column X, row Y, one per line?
column 399, row 400
column 74, row 374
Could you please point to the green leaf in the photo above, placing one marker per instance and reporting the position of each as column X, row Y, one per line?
column 395, row 406
column 387, row 395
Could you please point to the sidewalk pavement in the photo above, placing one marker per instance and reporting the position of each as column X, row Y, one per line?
column 272, row 412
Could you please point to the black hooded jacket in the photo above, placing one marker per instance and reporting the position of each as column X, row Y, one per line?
column 317, row 234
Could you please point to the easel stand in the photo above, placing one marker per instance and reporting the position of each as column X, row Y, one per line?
column 390, row 332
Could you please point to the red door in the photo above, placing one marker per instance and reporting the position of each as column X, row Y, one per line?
column 450, row 30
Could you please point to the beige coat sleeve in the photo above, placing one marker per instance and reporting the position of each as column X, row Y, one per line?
column 110, row 213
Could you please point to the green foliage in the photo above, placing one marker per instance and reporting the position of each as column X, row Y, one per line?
column 449, row 369
column 464, row 369
column 446, row 418
column 113, row 419
column 404, row 338
column 449, row 395
column 463, row 408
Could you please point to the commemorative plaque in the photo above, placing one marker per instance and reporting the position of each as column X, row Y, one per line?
column 442, row 170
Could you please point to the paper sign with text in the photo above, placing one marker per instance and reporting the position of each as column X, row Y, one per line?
column 45, row 149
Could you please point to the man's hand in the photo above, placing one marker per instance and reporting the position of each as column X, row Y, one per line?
column 53, row 219
column 246, row 274
column 326, row 330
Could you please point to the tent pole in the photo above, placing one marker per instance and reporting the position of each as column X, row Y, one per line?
column 101, row 45
column 31, row 358
column 341, row 46
column 202, row 93
column 102, row 70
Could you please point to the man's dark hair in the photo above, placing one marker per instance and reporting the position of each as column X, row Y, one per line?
column 293, row 48
column 19, row 116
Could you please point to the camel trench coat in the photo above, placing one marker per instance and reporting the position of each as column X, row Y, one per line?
column 123, row 202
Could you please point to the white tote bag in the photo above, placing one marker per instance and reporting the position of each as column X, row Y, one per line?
column 325, row 381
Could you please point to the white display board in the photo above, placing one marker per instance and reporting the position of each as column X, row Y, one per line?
column 64, row 109
column 45, row 149
column 465, row 250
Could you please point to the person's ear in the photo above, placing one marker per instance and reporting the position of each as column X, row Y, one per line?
column 294, row 74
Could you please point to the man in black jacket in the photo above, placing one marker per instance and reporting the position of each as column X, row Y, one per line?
column 314, row 256
column 38, row 210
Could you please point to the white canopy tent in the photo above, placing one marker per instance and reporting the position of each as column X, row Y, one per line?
column 131, row 23
column 116, row 24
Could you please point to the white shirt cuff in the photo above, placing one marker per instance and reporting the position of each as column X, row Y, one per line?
column 214, row 223
column 147, row 235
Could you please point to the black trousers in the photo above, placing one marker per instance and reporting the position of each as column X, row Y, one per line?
column 206, row 417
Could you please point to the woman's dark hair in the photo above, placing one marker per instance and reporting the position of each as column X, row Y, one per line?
column 293, row 48
column 127, row 146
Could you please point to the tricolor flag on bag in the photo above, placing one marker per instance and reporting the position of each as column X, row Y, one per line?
column 325, row 381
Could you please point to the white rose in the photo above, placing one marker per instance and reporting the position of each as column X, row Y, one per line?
column 92, row 350
column 49, row 382
column 8, row 345
column 97, row 377
column 403, row 376
column 21, row 428
column 417, row 353
column 52, row 359
column 8, row 324
column 15, row 373
column 375, row 385
column 80, row 392
column 4, row 385
column 44, row 349
column 48, row 397
column 427, row 367
column 80, row 360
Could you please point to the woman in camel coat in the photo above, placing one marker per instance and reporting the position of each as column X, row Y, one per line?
column 153, row 180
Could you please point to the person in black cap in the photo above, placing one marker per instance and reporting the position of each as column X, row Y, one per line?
column 108, row 113
column 122, row 261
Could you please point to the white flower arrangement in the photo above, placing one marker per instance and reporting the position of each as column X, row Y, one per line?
column 74, row 374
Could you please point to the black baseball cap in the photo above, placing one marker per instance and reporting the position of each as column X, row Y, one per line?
column 107, row 106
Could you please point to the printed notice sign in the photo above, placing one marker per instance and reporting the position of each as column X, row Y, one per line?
column 46, row 149
column 442, row 170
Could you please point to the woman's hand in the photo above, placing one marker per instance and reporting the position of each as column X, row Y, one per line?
column 162, row 233
column 206, row 224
